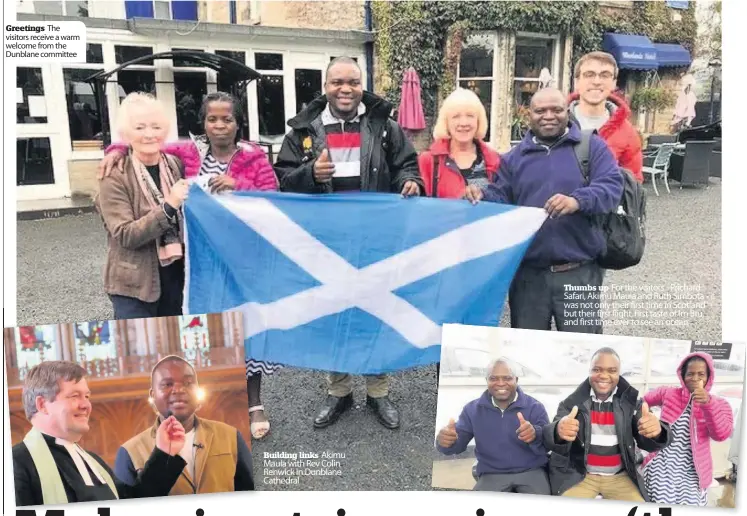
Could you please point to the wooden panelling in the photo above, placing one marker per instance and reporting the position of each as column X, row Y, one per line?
column 120, row 408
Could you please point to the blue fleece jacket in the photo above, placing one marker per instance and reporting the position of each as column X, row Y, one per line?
column 497, row 447
column 531, row 173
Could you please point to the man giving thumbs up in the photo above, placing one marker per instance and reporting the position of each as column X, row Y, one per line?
column 595, row 434
column 504, row 423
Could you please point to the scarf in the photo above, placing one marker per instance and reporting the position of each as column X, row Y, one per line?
column 169, row 245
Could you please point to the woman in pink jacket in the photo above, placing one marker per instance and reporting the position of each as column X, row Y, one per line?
column 226, row 164
column 681, row 473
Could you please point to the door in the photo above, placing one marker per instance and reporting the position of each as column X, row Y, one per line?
column 42, row 140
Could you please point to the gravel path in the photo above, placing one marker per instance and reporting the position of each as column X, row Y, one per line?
column 59, row 279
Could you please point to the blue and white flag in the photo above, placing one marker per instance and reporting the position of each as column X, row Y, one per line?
column 354, row 283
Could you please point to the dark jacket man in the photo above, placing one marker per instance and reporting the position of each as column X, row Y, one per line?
column 568, row 460
column 387, row 158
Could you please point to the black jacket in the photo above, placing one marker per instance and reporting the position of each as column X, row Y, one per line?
column 388, row 159
column 568, row 460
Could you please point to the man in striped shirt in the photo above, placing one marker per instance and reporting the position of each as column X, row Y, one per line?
column 345, row 142
column 594, row 435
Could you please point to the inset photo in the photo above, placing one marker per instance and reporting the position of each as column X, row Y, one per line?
column 137, row 408
column 589, row 416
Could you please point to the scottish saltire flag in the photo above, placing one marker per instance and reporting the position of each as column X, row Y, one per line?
column 356, row 283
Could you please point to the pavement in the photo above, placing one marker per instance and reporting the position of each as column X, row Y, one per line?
column 59, row 280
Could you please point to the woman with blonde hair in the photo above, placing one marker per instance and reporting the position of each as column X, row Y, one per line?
column 141, row 209
column 458, row 156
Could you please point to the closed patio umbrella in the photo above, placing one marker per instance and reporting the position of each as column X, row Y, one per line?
column 410, row 116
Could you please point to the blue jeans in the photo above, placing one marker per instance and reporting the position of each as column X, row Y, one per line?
column 169, row 304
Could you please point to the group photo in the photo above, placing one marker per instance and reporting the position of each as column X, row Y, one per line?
column 589, row 416
column 346, row 179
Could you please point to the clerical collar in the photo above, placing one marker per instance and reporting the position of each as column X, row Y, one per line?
column 80, row 459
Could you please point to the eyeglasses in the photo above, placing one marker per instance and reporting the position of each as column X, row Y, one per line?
column 602, row 75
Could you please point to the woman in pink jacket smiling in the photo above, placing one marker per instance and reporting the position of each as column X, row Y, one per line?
column 681, row 473
column 225, row 164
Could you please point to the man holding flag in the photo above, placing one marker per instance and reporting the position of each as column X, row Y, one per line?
column 346, row 142
column 594, row 435
column 506, row 425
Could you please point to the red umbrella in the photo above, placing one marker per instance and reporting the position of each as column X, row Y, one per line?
column 410, row 116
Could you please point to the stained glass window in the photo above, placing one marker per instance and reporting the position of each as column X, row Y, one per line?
column 194, row 337
column 94, row 341
column 35, row 344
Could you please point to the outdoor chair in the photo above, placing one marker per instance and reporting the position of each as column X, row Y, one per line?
column 660, row 165
column 694, row 167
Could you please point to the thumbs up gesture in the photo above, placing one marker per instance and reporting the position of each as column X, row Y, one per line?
column 526, row 431
column 324, row 169
column 447, row 436
column 568, row 426
column 649, row 425
column 700, row 395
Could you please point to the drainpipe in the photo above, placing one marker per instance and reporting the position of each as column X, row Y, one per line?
column 369, row 47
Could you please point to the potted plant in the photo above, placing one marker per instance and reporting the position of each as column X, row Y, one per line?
column 652, row 100
column 519, row 122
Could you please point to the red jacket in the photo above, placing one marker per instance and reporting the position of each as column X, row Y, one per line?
column 451, row 183
column 621, row 137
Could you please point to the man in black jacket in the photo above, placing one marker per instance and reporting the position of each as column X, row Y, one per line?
column 345, row 141
column 594, row 435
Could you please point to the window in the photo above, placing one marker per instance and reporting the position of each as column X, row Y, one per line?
column 228, row 86
column 139, row 77
column 308, row 87
column 126, row 53
column 270, row 95
column 190, row 88
column 476, row 69
column 232, row 11
column 34, row 162
column 162, row 10
column 31, row 104
column 62, row 8
column 82, row 108
column 532, row 55
column 94, row 341
column 35, row 344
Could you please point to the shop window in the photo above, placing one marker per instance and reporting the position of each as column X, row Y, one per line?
column 476, row 70
column 34, row 162
column 126, row 53
column 271, row 103
column 308, row 87
column 190, row 89
column 31, row 104
column 82, row 110
column 62, row 8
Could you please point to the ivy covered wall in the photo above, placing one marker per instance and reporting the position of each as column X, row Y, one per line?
column 428, row 35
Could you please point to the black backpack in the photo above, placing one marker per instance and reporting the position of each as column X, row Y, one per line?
column 624, row 228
